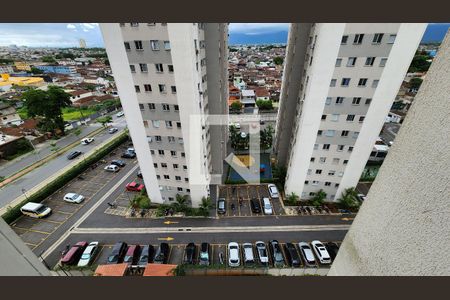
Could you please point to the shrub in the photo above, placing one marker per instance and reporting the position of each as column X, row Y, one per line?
column 319, row 198
column 292, row 199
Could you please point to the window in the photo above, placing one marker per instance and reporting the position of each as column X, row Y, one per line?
column 377, row 38
column 356, row 100
column 178, row 124
column 141, row 106
column 155, row 123
column 162, row 88
column 328, row 101
column 344, row 39
column 159, row 68
column 350, row 118
column 165, row 107
column 155, row 45
column 183, row 154
column 187, row 180
column 174, row 89
column 362, row 82
column 168, row 124
column 318, row 171
column 327, row 183
column 143, row 68
column 155, row 165
column 355, row 134
column 344, row 133
column 336, row 184
column 335, row 117
column 391, row 39
column 329, row 133
column 319, row 133
column 175, row 166
column 326, row 147
column 345, row 82
column 351, row 61
column 170, row 67
column 345, row 161
column 180, row 189
column 338, row 62
column 152, row 152
column 127, row 46
column 312, row 159
column 336, row 161
column 340, row 147
column 339, row 100
column 322, row 160
column 138, row 90
column 316, row 146
column 176, row 107
column 358, row 39
column 161, row 152
column 180, row 140
column 151, row 106
column 368, row 101
column 134, row 24
column 173, row 153
column 163, row 165
column 184, row 167
column 315, row 182
column 331, row 172
column 350, row 148
column 306, row 182
column 370, row 61
column 375, row 83
column 166, row 45
column 147, row 87
column 324, row 117
column 158, row 139
column 133, row 68
column 333, row 82
column 166, row 177
column 383, row 62
column 171, row 139
column 138, row 45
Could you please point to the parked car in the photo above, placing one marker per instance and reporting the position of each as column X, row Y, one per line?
column 189, row 253
column 73, row 198
column 248, row 253
column 255, row 206
column 361, row 197
column 73, row 255
column 112, row 130
column 221, row 207
column 112, row 168
column 321, row 252
column 233, row 255
column 128, row 154
column 139, row 174
column 131, row 149
column 267, row 206
column 120, row 114
column 35, row 210
column 88, row 254
column 73, row 154
column 87, row 141
column 332, row 249
column 162, row 254
column 204, row 254
column 134, row 187
column 132, row 255
column 119, row 163
column 146, row 255
column 117, row 253
column 306, row 252
column 273, row 191
column 262, row 252
column 292, row 256
column 277, row 254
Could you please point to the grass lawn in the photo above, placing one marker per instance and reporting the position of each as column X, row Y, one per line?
column 70, row 113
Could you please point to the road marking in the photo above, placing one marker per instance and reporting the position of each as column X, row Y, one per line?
column 90, row 211
column 347, row 219
column 166, row 239
column 170, row 222
column 33, row 230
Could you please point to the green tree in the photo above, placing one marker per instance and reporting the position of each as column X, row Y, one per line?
column 206, row 205
column 266, row 137
column 292, row 199
column 90, row 87
column 48, row 106
column 349, row 198
column 180, row 204
column 415, row 82
column 140, row 201
column 264, row 104
column 420, row 63
column 104, row 120
column 319, row 198
column 36, row 71
column 278, row 60
column 49, row 59
column 236, row 106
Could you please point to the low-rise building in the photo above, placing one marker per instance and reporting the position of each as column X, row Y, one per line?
column 248, row 98
column 67, row 70
column 8, row 114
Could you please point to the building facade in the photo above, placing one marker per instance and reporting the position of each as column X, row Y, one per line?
column 67, row 70
column 339, row 83
column 166, row 73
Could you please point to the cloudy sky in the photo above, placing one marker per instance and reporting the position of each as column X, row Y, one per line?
column 68, row 34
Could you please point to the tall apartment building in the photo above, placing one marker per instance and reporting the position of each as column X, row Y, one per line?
column 170, row 77
column 338, row 85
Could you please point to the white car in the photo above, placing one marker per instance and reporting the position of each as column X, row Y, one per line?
column 273, row 191
column 267, row 206
column 237, row 125
column 88, row 254
column 120, row 114
column 262, row 252
column 306, row 252
column 233, row 255
column 111, row 168
column 321, row 252
column 248, row 253
column 86, row 141
column 73, row 198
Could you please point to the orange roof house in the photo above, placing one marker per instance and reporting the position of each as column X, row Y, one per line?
column 111, row 270
column 159, row 270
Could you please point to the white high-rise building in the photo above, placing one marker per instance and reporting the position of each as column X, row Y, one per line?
column 82, row 43
column 166, row 73
column 339, row 83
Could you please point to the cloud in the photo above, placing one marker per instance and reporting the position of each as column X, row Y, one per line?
column 71, row 26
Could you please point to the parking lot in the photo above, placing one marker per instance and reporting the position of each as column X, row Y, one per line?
column 35, row 231
column 232, row 194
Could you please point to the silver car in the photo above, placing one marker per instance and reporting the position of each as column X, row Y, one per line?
column 262, row 252
column 88, row 254
column 307, row 254
column 233, row 255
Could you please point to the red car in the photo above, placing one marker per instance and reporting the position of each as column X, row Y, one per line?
column 134, row 187
column 73, row 255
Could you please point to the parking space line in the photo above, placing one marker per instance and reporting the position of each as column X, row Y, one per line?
column 33, row 230
column 63, row 212
column 50, row 221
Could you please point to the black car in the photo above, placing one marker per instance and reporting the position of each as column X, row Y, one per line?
column 221, row 207
column 292, row 255
column 277, row 254
column 74, row 154
column 146, row 255
column 161, row 254
column 117, row 253
column 139, row 174
column 118, row 162
column 332, row 249
column 128, row 154
column 189, row 254
column 255, row 205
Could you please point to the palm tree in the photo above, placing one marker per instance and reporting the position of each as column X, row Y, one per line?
column 181, row 202
column 292, row 198
column 206, row 205
column 319, row 198
column 349, row 198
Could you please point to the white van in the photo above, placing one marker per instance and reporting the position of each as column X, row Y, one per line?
column 35, row 210
column 267, row 206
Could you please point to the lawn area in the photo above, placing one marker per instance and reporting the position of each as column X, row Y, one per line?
column 70, row 113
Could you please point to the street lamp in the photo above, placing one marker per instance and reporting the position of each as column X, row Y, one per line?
column 24, row 192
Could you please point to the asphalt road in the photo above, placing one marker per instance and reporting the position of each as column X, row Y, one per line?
column 13, row 190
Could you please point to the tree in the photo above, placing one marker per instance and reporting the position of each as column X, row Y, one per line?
column 349, row 198
column 49, row 59
column 264, row 104
column 36, row 71
column 292, row 199
column 90, row 87
column 236, row 106
column 278, row 60
column 206, row 205
column 266, row 137
column 181, row 203
column 140, row 201
column 319, row 198
column 48, row 106
column 415, row 82
column 420, row 63
column 104, row 120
